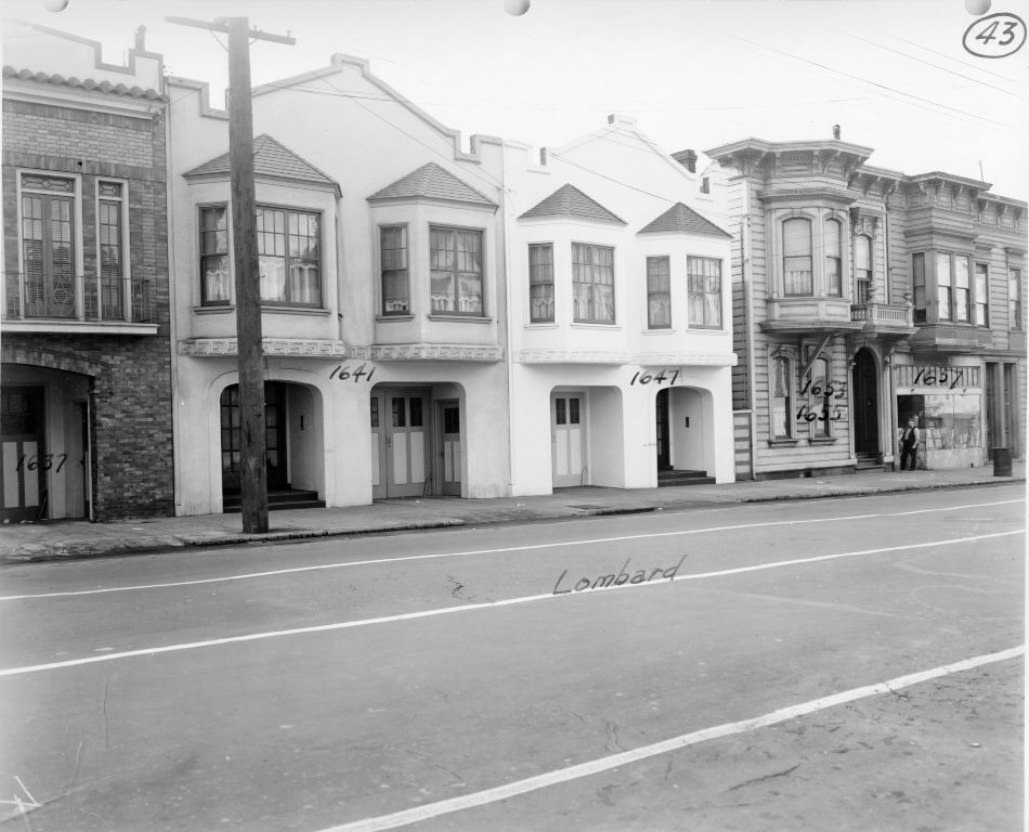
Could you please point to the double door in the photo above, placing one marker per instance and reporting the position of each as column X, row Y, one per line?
column 405, row 444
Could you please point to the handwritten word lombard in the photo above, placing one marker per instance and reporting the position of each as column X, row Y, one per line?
column 622, row 577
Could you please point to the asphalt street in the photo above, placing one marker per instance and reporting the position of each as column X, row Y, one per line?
column 851, row 664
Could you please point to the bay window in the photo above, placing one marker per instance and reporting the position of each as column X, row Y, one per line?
column 862, row 269
column 456, row 271
column 541, row 283
column 918, row 286
column 833, row 238
column 1015, row 298
column 289, row 257
column 798, row 278
column 396, row 292
column 593, row 283
column 659, row 293
column 215, row 275
column 705, row 292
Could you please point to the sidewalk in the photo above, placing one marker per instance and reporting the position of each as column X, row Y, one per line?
column 31, row 542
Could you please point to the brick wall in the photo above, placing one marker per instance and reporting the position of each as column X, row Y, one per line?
column 131, row 431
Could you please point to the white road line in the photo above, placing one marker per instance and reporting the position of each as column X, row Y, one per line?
column 435, row 556
column 505, row 602
column 552, row 778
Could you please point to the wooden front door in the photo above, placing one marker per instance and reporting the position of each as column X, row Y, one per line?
column 400, row 433
column 274, row 437
column 866, row 404
column 568, row 439
column 449, row 420
column 663, row 444
column 24, row 454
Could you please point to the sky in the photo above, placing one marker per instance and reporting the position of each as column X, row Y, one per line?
column 894, row 74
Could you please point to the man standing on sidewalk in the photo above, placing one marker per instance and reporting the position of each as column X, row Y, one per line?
column 909, row 446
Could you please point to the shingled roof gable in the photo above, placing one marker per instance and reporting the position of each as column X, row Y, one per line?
column 271, row 158
column 431, row 181
column 681, row 219
column 569, row 201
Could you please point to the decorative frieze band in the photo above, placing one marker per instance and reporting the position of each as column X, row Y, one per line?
column 437, row 352
column 642, row 359
column 314, row 348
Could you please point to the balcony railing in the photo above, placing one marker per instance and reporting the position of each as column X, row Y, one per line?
column 81, row 298
column 882, row 315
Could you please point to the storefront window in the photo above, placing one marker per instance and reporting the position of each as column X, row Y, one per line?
column 952, row 422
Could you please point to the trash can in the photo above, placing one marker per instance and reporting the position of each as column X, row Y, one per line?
column 1001, row 462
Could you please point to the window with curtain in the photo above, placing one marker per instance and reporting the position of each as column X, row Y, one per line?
column 1015, row 298
column 918, row 286
column 781, row 398
column 962, row 290
column 704, row 277
column 215, row 276
column 821, row 398
column 456, row 272
column 796, row 258
column 834, row 258
column 659, row 293
column 289, row 256
column 982, row 294
column 944, row 287
column 593, row 283
column 862, row 269
column 396, row 291
column 541, row 283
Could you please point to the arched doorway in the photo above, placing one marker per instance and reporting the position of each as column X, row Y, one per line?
column 866, row 403
column 293, row 446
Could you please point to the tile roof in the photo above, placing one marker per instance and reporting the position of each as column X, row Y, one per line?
column 270, row 159
column 681, row 219
column 569, row 201
column 430, row 181
column 87, row 84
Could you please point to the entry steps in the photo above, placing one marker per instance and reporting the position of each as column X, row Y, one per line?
column 684, row 477
column 869, row 462
column 277, row 500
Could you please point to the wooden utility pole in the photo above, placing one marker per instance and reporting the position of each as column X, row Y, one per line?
column 253, row 473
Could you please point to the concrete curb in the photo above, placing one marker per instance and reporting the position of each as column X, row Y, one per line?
column 114, row 546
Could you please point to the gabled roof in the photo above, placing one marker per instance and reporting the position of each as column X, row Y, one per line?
column 569, row 201
column 681, row 219
column 430, row 181
column 270, row 159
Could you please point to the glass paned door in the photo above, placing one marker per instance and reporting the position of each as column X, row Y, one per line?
column 568, row 439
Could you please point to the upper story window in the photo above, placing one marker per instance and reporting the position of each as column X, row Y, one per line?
column 781, row 399
column 396, row 286
column 1015, row 298
column 834, row 258
column 215, row 275
column 918, row 286
column 456, row 270
column 953, row 293
column 982, row 294
column 593, row 283
column 798, row 279
column 110, row 210
column 705, row 292
column 541, row 283
column 659, row 293
column 862, row 269
column 289, row 256
column 48, row 246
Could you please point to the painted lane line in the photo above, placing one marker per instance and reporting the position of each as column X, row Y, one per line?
column 438, row 555
column 505, row 602
column 602, row 764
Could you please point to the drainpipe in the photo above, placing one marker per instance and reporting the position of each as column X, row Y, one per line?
column 506, row 320
column 891, row 401
column 747, row 325
column 173, row 328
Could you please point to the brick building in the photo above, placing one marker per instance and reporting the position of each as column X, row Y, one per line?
column 87, row 417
